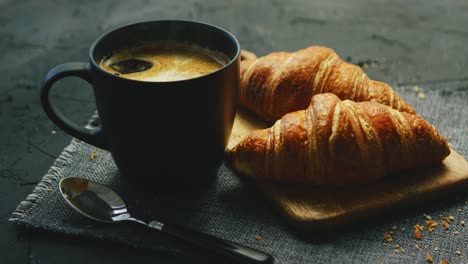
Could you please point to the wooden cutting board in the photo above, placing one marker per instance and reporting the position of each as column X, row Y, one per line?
column 322, row 208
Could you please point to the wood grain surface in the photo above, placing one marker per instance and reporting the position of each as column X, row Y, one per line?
column 319, row 208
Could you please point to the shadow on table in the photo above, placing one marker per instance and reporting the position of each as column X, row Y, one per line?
column 78, row 249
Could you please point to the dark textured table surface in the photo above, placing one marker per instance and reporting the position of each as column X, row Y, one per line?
column 411, row 42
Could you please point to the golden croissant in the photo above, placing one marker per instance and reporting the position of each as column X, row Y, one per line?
column 335, row 142
column 282, row 82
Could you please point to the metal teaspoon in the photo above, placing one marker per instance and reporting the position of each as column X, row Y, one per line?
column 100, row 203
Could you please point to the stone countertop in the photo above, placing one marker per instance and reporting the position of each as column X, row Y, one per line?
column 410, row 42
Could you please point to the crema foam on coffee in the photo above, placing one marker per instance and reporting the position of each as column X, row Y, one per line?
column 164, row 61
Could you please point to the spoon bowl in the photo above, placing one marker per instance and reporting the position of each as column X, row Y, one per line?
column 100, row 203
column 94, row 200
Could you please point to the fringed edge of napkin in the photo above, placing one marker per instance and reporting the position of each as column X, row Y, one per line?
column 47, row 183
column 49, row 180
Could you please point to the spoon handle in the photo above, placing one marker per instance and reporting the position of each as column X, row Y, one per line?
column 240, row 253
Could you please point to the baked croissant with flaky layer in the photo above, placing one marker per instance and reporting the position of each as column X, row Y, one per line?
column 336, row 142
column 282, row 82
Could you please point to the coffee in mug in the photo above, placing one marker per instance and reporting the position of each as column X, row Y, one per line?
column 164, row 61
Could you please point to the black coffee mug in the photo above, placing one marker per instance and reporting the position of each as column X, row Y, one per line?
column 157, row 132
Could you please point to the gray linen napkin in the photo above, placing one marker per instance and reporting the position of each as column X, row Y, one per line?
column 233, row 209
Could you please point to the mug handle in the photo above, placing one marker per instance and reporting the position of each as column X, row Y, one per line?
column 81, row 70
